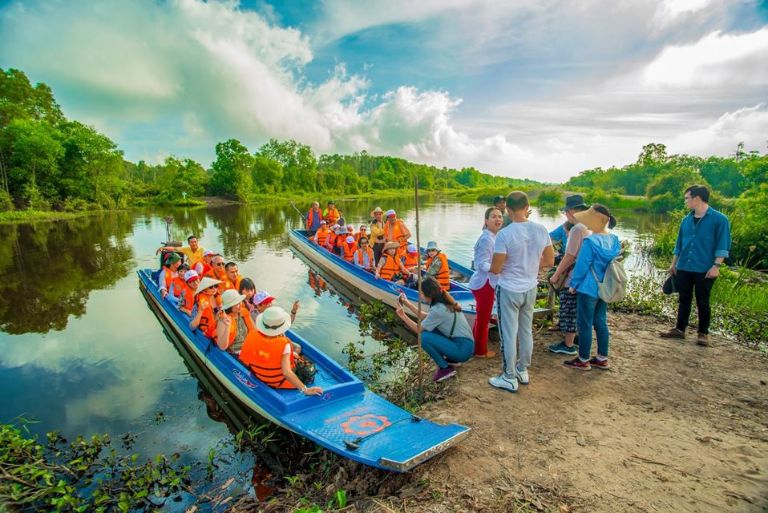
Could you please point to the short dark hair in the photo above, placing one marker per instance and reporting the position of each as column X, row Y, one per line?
column 246, row 284
column 230, row 265
column 699, row 191
column 191, row 237
column 498, row 199
column 517, row 200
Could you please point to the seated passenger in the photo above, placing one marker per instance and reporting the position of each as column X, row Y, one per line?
column 248, row 289
column 363, row 232
column 390, row 267
column 363, row 257
column 233, row 276
column 263, row 300
column 349, row 248
column 341, row 239
column 178, row 285
column 411, row 264
column 269, row 354
column 322, row 234
column 205, row 267
column 437, row 266
column 191, row 281
column 235, row 324
column 205, row 319
column 168, row 273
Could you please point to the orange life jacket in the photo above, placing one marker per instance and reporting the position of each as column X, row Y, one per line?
column 322, row 236
column 361, row 234
column 341, row 239
column 208, row 319
column 331, row 215
column 167, row 278
column 311, row 217
column 349, row 251
column 264, row 356
column 396, row 233
column 390, row 267
column 443, row 276
column 369, row 252
column 331, row 240
column 246, row 315
column 178, row 286
column 410, row 260
column 189, row 298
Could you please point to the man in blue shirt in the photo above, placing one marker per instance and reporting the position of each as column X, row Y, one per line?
column 703, row 242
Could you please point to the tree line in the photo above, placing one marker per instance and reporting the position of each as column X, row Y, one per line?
column 50, row 162
column 739, row 184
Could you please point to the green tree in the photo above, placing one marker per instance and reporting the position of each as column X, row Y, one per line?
column 665, row 192
column 33, row 150
column 231, row 171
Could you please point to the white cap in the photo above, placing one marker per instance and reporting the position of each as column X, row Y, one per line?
column 191, row 275
column 391, row 212
column 261, row 296
column 350, row 239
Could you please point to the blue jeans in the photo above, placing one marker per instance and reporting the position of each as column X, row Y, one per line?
column 591, row 311
column 440, row 348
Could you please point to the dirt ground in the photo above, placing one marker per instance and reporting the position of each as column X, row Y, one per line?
column 672, row 427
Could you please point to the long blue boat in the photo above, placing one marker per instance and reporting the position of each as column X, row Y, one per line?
column 347, row 419
column 376, row 288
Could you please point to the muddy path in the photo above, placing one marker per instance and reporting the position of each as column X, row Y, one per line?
column 671, row 427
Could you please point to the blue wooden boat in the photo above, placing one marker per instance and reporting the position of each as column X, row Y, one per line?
column 368, row 284
column 347, row 419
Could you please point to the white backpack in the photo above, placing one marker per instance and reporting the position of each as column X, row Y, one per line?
column 613, row 288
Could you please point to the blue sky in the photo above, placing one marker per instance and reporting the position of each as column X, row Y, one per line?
column 540, row 89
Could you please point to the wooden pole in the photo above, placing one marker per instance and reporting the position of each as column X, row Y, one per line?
column 418, row 277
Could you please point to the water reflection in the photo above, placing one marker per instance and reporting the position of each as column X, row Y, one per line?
column 49, row 269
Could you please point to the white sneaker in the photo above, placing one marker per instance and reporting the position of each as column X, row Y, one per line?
column 522, row 376
column 501, row 381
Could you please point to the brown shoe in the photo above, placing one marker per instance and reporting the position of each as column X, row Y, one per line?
column 702, row 339
column 673, row 333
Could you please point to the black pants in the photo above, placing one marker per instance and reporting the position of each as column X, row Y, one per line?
column 687, row 283
column 378, row 247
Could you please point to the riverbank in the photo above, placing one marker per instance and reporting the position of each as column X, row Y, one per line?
column 671, row 427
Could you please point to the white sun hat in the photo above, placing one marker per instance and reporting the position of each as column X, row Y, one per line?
column 273, row 321
column 230, row 298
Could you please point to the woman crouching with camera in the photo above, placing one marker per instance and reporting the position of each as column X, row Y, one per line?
column 446, row 335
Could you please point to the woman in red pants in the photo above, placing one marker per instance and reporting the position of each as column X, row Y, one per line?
column 483, row 282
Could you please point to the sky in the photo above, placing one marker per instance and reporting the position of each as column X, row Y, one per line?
column 538, row 89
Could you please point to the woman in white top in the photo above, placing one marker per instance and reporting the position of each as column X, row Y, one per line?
column 483, row 282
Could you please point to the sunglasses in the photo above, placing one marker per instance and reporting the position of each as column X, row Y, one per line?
column 219, row 265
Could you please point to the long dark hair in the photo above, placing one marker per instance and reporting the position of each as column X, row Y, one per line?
column 430, row 287
column 604, row 210
column 488, row 214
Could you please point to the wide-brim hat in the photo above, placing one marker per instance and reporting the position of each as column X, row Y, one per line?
column 273, row 321
column 391, row 245
column 206, row 283
column 230, row 298
column 592, row 219
column 573, row 201
column 376, row 210
column 432, row 245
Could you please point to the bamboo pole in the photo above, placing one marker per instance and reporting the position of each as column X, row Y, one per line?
column 418, row 275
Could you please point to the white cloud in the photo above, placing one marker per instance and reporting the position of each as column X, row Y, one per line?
column 748, row 125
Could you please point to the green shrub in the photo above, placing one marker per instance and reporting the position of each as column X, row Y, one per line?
column 6, row 203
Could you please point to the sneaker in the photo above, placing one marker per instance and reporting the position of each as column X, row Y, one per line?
column 522, row 376
column 578, row 364
column 673, row 333
column 561, row 348
column 503, row 382
column 443, row 374
column 599, row 364
column 702, row 339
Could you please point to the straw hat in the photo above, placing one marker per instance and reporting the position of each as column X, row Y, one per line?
column 230, row 298
column 273, row 321
column 206, row 283
column 592, row 219
column 391, row 245
column 376, row 210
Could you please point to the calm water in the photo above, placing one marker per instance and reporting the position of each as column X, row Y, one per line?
column 81, row 352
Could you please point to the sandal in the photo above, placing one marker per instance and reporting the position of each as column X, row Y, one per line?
column 488, row 354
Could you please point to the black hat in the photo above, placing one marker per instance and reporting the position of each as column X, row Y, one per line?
column 499, row 198
column 670, row 285
column 574, row 201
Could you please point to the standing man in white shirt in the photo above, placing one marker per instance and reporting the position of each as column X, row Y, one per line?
column 522, row 249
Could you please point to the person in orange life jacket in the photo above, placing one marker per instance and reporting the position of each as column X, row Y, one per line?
column 193, row 252
column 341, row 239
column 167, row 273
column 363, row 257
column 445, row 333
column 349, row 248
column 191, row 281
column 363, row 232
column 331, row 213
column 269, row 354
column 234, row 324
column 263, row 300
column 321, row 235
column 205, row 268
column 330, row 245
column 411, row 264
column 437, row 265
column 220, row 274
column 177, row 283
column 396, row 231
column 233, row 277
column 390, row 267
column 314, row 216
column 205, row 297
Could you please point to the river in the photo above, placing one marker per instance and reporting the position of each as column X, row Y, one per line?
column 82, row 353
